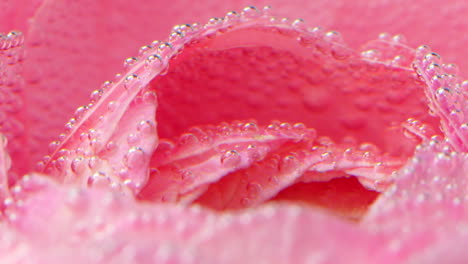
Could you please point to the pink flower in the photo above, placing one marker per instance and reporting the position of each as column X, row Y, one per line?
column 245, row 139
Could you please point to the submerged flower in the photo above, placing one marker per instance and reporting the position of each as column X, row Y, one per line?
column 250, row 138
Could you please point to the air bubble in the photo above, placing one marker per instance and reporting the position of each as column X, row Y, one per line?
column 149, row 97
column 98, row 179
column 400, row 39
column 371, row 54
column 299, row 126
column 432, row 58
column 133, row 139
column 111, row 147
column 92, row 162
column 96, row 95
column 164, row 47
column 232, row 16
column 153, row 59
column 130, row 62
column 299, row 24
column 334, row 36
column 285, row 126
column 213, row 22
column 176, row 36
column 53, row 146
column 246, row 202
column 187, row 139
column 451, row 68
column 251, row 12
column 78, row 165
column 80, row 111
column 144, row 50
column 423, row 49
column 250, row 127
column 135, row 158
column 385, row 36
column 288, row 164
column 253, row 190
column 230, row 158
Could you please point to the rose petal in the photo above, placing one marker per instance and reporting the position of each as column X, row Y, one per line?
column 14, row 14
column 94, row 226
column 100, row 27
column 13, row 118
column 208, row 153
column 427, row 205
column 448, row 96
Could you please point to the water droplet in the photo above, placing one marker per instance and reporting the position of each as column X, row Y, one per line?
column 250, row 127
column 92, row 162
column 432, row 58
column 246, row 202
column 253, row 190
column 186, row 176
column 144, row 50
column 213, row 22
column 288, row 164
column 353, row 122
column 133, row 139
column 99, row 179
column 232, row 16
column 187, row 139
column 253, row 153
column 96, row 95
column 224, row 130
column 334, row 36
column 130, row 62
column 145, row 126
column 400, row 39
column 80, row 111
column 165, row 145
column 251, row 12
column 285, row 126
column 340, row 53
column 130, row 79
column 399, row 60
column 230, row 158
column 174, row 36
column 78, row 165
column 153, row 59
column 53, row 146
column 111, row 147
column 451, row 68
column 423, row 50
column 385, row 36
column 299, row 24
column 371, row 54
column 135, row 158
column 149, row 97
column 69, row 126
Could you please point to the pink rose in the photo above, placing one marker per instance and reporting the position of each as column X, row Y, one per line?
column 245, row 139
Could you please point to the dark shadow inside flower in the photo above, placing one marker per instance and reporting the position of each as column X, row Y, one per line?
column 345, row 197
column 267, row 73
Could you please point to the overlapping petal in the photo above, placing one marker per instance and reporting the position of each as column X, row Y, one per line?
column 366, row 111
